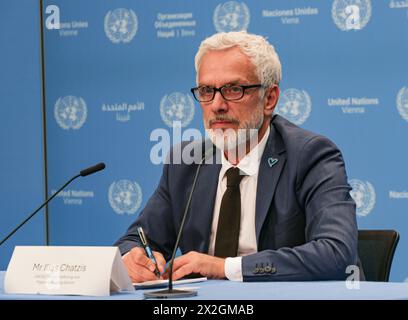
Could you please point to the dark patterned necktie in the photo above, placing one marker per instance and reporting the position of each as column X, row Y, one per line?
column 227, row 238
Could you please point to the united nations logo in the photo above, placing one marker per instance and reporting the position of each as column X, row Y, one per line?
column 295, row 105
column 402, row 103
column 125, row 196
column 351, row 14
column 363, row 194
column 120, row 25
column 231, row 16
column 177, row 107
column 70, row 112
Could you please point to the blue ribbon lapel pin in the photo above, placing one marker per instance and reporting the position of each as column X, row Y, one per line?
column 272, row 162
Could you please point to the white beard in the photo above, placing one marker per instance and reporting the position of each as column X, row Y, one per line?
column 234, row 142
column 230, row 139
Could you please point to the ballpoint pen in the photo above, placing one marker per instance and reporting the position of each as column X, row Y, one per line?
column 149, row 251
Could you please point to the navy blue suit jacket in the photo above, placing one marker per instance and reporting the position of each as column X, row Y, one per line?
column 305, row 217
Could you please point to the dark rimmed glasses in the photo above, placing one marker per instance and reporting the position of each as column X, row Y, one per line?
column 230, row 92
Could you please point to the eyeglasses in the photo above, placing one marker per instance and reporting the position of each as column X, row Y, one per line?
column 228, row 92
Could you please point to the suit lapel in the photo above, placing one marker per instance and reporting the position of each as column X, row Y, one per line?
column 270, row 168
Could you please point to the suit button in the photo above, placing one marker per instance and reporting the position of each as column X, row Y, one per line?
column 268, row 269
column 261, row 270
column 256, row 270
column 273, row 270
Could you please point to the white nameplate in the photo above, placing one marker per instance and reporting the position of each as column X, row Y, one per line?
column 92, row 271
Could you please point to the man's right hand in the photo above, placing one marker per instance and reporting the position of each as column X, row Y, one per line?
column 140, row 268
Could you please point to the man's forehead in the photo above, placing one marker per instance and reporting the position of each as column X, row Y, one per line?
column 223, row 81
column 227, row 65
column 220, row 76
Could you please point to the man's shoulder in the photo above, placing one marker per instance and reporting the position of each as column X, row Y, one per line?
column 290, row 131
column 296, row 138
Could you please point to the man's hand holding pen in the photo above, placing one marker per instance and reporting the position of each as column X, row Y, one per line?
column 140, row 267
column 144, row 264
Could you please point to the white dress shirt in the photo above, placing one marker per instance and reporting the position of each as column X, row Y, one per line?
column 248, row 186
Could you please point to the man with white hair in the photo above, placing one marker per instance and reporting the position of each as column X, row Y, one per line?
column 277, row 207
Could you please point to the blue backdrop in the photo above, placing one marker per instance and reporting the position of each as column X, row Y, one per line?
column 21, row 139
column 117, row 70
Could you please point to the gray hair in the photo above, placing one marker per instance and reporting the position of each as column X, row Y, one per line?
column 260, row 52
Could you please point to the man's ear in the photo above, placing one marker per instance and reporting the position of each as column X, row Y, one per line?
column 271, row 100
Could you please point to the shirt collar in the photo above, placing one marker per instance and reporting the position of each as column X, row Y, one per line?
column 250, row 163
